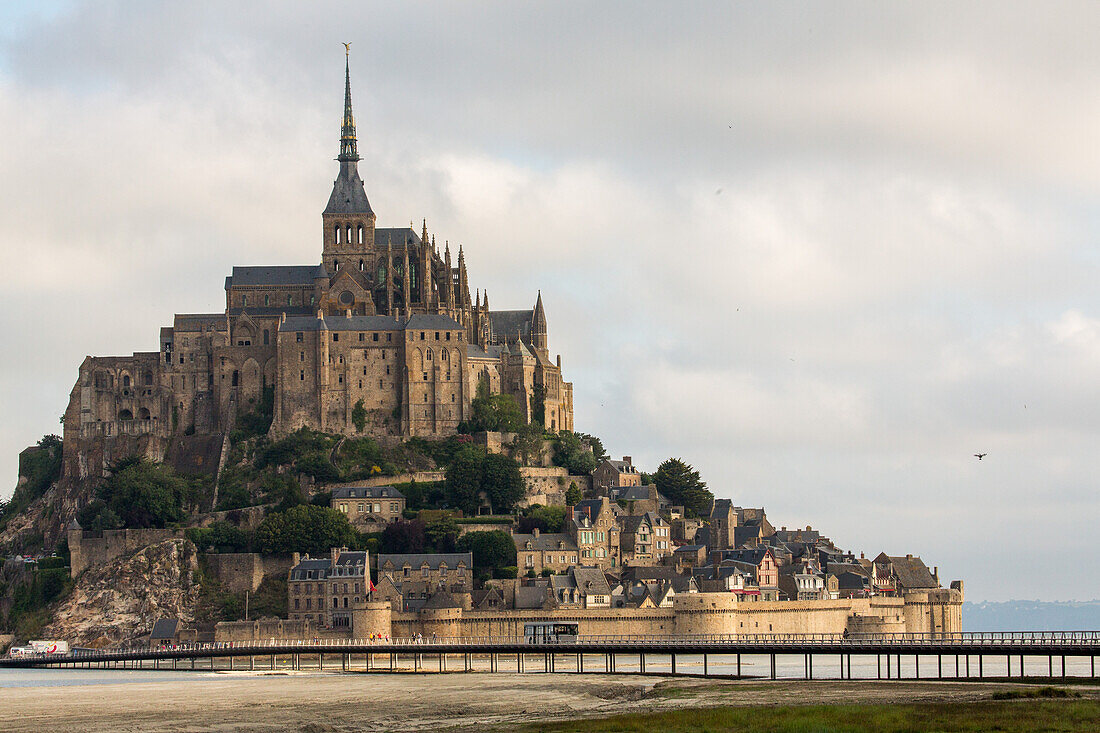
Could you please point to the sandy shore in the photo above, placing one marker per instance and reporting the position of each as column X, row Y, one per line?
column 323, row 703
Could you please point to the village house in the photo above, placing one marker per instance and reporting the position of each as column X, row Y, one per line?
column 327, row 590
column 644, row 540
column 538, row 551
column 594, row 527
column 368, row 508
column 614, row 474
column 581, row 587
column 413, row 578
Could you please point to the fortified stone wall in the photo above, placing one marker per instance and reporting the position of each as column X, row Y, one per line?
column 244, row 571
column 90, row 549
column 709, row 613
column 547, row 486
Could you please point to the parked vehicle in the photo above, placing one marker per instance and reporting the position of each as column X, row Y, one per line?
column 50, row 647
column 20, row 651
column 543, row 633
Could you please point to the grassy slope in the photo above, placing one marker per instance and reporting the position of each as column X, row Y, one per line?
column 1010, row 716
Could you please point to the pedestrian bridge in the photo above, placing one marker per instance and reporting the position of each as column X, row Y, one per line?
column 774, row 656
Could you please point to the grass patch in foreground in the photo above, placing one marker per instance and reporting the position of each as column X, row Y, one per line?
column 1008, row 717
column 1048, row 692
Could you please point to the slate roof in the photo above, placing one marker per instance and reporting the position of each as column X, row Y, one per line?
column 545, row 541
column 432, row 320
column 434, row 560
column 442, row 599
column 275, row 275
column 348, row 195
column 321, row 566
column 911, row 572
column 689, row 549
column 473, row 351
column 633, row 493
column 353, row 558
column 369, row 323
column 530, row 597
column 631, row 523
column 342, row 323
column 164, row 628
column 290, row 310
column 396, row 236
column 506, row 324
column 366, row 492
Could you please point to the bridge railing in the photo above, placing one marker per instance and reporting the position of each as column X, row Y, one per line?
column 1024, row 640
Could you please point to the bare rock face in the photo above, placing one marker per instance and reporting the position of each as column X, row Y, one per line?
column 121, row 600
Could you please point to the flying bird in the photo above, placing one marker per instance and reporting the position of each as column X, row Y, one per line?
column 980, row 456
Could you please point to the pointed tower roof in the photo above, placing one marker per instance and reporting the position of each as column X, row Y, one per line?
column 538, row 316
column 348, row 195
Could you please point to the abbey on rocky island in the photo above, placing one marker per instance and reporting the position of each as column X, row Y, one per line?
column 384, row 322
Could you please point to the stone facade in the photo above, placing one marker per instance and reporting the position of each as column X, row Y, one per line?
column 385, row 320
column 690, row 613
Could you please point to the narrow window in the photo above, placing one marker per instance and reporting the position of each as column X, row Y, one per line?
column 360, row 262
column 267, row 337
column 437, row 335
column 302, row 376
column 360, row 337
column 267, row 300
column 389, row 337
column 335, row 337
column 288, row 300
column 298, row 337
column 244, row 300
column 337, row 235
column 360, row 242
column 236, row 376
column 374, row 337
column 379, row 384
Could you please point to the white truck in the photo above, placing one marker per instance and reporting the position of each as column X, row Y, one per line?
column 50, row 647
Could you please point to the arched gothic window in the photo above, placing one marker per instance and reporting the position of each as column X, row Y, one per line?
column 360, row 234
column 337, row 234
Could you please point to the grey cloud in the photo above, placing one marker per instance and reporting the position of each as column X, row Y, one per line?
column 823, row 254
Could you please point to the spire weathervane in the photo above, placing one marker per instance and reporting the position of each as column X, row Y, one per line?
column 349, row 149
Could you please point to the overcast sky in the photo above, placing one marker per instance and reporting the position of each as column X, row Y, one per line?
column 823, row 253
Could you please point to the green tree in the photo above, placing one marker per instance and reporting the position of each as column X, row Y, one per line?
column 501, row 482
column 681, row 484
column 403, row 537
column 542, row 518
column 145, row 494
column 463, row 479
column 304, row 528
column 500, row 413
column 573, row 454
column 528, row 442
column 494, row 549
column 538, row 405
column 573, row 494
column 441, row 535
column 595, row 445
column 359, row 416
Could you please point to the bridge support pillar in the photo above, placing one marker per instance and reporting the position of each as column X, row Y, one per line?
column 939, row 666
column 607, row 663
column 887, row 666
column 1050, row 665
column 773, row 665
column 391, row 661
column 251, row 663
column 192, row 662
column 442, row 662
column 738, row 665
column 916, row 666
column 706, row 670
column 519, row 662
column 810, row 665
column 320, row 660
column 580, row 663
column 1063, row 667
column 492, row 662
column 1021, row 666
column 968, row 666
column 641, row 662
column 981, row 663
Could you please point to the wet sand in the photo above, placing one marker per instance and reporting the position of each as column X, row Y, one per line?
column 342, row 703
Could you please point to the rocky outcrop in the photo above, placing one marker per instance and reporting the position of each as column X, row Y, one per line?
column 120, row 601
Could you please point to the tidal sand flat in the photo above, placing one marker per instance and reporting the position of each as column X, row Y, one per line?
column 339, row 703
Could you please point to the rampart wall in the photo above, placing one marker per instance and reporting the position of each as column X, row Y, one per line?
column 88, row 549
column 244, row 571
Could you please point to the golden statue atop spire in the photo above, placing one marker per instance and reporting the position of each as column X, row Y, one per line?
column 347, row 48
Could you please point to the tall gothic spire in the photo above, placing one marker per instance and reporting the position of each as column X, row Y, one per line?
column 349, row 150
column 348, row 195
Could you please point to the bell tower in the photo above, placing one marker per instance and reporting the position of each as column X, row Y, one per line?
column 348, row 219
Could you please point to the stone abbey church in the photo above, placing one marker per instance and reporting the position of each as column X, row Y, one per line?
column 384, row 317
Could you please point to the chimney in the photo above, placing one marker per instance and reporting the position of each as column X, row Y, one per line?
column 335, row 552
column 295, row 558
column 535, row 532
column 626, row 460
column 936, row 573
column 908, row 556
